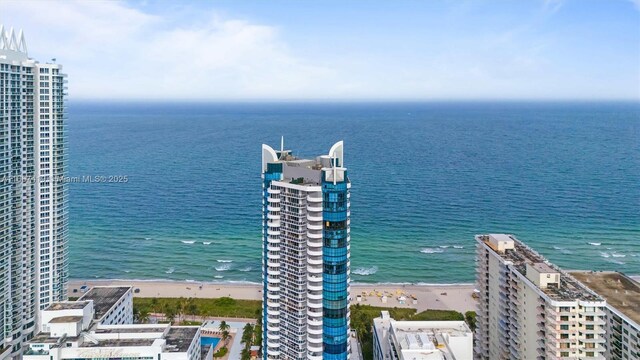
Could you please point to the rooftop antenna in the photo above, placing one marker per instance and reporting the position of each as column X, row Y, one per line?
column 335, row 169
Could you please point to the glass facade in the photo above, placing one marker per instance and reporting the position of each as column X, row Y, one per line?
column 335, row 269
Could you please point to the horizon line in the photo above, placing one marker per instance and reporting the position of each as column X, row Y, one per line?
column 372, row 100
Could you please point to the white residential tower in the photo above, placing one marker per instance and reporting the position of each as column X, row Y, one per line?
column 33, row 209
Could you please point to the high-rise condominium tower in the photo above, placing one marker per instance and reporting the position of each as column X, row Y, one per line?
column 33, row 209
column 530, row 309
column 305, row 263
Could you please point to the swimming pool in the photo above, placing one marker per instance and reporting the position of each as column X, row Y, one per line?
column 213, row 341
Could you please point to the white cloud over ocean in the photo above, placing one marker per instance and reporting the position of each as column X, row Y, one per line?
column 118, row 50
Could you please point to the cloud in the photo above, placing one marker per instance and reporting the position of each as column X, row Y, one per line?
column 111, row 50
column 175, row 51
column 636, row 3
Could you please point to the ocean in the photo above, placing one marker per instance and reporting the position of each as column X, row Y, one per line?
column 184, row 201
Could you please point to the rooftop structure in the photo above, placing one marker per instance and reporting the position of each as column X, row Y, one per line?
column 11, row 41
column 421, row 340
column 519, row 255
column 180, row 338
column 620, row 291
column 105, row 301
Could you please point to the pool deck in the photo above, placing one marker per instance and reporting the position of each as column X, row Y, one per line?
column 235, row 329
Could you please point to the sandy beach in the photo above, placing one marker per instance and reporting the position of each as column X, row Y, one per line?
column 443, row 297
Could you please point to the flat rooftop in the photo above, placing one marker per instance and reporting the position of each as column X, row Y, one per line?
column 544, row 268
column 569, row 289
column 118, row 343
column 132, row 330
column 104, row 297
column 66, row 319
column 67, row 305
column 422, row 340
column 457, row 328
column 180, row 338
column 620, row 291
column 45, row 338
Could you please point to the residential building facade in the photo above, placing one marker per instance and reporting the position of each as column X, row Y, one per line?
column 306, row 226
column 33, row 209
column 530, row 309
column 623, row 311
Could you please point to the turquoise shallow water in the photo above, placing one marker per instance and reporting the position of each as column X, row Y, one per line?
column 426, row 178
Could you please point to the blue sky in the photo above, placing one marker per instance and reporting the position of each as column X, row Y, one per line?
column 338, row 50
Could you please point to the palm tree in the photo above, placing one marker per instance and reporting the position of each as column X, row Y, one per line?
column 247, row 335
column 192, row 307
column 223, row 326
column 259, row 316
column 155, row 305
column 225, row 337
column 143, row 316
column 181, row 307
column 136, row 314
column 162, row 309
column 170, row 313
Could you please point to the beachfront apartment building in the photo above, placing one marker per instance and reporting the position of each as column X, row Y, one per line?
column 33, row 209
column 305, row 262
column 421, row 340
column 622, row 294
column 530, row 309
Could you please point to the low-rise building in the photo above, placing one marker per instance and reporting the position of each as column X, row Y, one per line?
column 69, row 340
column 113, row 305
column 100, row 325
column 623, row 311
column 421, row 340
